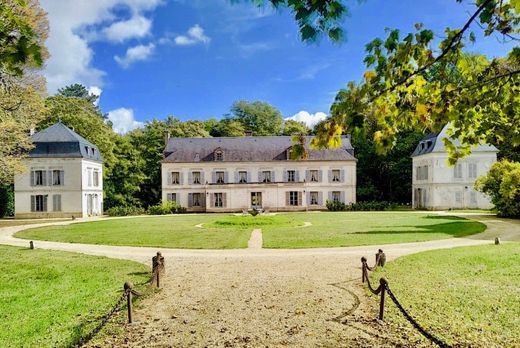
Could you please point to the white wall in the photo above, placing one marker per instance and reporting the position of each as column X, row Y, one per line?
column 273, row 194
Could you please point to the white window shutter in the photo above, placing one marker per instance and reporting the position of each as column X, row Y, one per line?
column 169, row 179
column 224, row 200
column 32, row 180
column 50, row 179
column 320, row 176
column 45, row 202
column 287, row 198
column 320, row 198
column 202, row 178
column 342, row 176
column 190, row 177
column 330, row 175
column 273, row 179
column 62, row 177
column 44, row 178
column 300, row 198
column 190, row 199
column 308, row 175
column 33, row 203
column 226, row 179
column 342, row 196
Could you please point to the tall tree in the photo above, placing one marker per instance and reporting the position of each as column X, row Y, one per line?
column 258, row 117
column 291, row 127
column 78, row 91
column 224, row 128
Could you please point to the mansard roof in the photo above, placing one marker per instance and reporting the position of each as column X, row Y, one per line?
column 433, row 143
column 247, row 149
column 59, row 141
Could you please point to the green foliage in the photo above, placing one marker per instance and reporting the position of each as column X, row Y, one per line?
column 361, row 206
column 224, row 128
column 292, row 127
column 51, row 298
column 502, row 184
column 335, row 205
column 125, row 211
column 6, row 201
column 166, row 208
column 257, row 117
column 78, row 91
column 250, row 221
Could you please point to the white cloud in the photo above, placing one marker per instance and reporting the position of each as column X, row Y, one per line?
column 135, row 54
column 194, row 36
column 135, row 27
column 123, row 120
column 71, row 55
column 309, row 119
column 95, row 90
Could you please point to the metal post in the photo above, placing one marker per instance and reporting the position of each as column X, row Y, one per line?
column 157, row 274
column 383, row 284
column 31, row 244
column 128, row 289
column 363, row 268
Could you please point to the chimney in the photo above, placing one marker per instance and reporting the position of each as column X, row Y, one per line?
column 32, row 131
column 166, row 137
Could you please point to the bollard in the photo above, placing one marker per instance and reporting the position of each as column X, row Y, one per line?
column 128, row 289
column 381, row 259
column 383, row 283
column 31, row 245
column 363, row 267
column 497, row 241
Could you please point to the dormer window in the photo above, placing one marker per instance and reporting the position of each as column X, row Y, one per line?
column 86, row 150
column 219, row 155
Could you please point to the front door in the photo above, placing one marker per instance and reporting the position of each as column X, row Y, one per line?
column 256, row 200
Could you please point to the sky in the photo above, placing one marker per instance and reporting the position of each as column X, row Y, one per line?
column 193, row 58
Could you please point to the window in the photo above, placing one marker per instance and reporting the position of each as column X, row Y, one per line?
column 217, row 199
column 293, row 198
column 314, row 198
column 219, row 155
column 197, row 199
column 336, row 196
column 171, row 197
column 89, row 176
column 86, row 150
column 457, row 171
column 458, row 197
column 425, row 173
column 176, row 178
column 56, row 203
column 314, row 176
column 219, row 177
column 38, row 178
column 57, row 177
column 39, row 203
column 96, row 178
column 93, row 152
column 266, row 176
column 335, row 175
column 472, row 170
column 196, row 177
column 291, row 176
column 242, row 177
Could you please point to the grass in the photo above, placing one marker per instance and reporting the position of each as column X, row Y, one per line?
column 178, row 231
column 51, row 298
column 468, row 296
column 13, row 222
column 331, row 229
column 259, row 221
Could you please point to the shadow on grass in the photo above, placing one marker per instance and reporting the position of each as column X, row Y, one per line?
column 454, row 229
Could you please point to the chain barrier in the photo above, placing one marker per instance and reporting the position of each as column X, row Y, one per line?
column 385, row 288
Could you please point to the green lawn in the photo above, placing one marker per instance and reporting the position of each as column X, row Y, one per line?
column 50, row 298
column 177, row 231
column 224, row 231
column 333, row 229
column 468, row 296
column 13, row 222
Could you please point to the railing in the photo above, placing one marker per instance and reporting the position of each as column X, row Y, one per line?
column 384, row 288
column 158, row 269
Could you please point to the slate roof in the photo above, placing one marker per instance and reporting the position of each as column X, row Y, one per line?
column 247, row 149
column 433, row 143
column 59, row 141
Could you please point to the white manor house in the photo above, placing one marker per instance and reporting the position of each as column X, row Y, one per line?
column 64, row 177
column 232, row 174
column 438, row 186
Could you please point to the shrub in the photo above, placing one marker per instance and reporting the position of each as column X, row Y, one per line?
column 335, row 205
column 502, row 184
column 166, row 208
column 361, row 206
column 125, row 211
column 6, row 201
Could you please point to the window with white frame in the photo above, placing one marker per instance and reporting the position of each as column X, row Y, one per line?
column 335, row 175
column 196, row 178
column 38, row 178
column 293, row 198
column 57, row 177
column 291, row 176
column 336, row 196
column 56, row 203
column 39, row 203
column 314, row 176
column 89, row 177
column 266, row 176
column 197, row 199
column 242, row 177
column 218, row 200
column 314, row 198
column 219, row 155
column 219, row 177
column 171, row 197
column 96, row 178
column 472, row 170
column 176, row 178
column 457, row 171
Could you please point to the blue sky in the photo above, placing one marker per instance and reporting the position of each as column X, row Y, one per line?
column 193, row 59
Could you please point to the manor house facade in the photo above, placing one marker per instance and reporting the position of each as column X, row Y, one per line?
column 232, row 174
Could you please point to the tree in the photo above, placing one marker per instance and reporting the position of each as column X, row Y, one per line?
column 23, row 31
column 78, row 91
column 6, row 200
column 224, row 128
column 502, row 184
column 257, row 117
column 291, row 127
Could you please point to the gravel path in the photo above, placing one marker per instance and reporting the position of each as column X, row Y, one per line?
column 262, row 297
column 255, row 242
